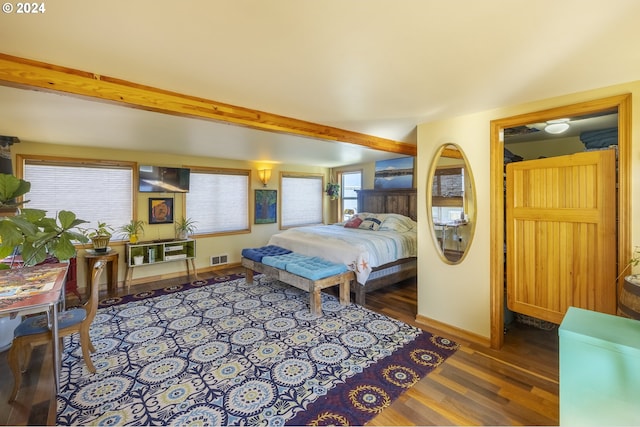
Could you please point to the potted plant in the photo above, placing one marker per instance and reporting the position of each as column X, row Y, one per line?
column 35, row 236
column 100, row 236
column 333, row 190
column 634, row 261
column 185, row 227
column 12, row 188
column 132, row 230
column 629, row 292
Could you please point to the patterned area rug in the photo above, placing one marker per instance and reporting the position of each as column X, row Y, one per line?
column 223, row 352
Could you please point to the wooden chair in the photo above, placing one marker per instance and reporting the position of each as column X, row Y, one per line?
column 35, row 331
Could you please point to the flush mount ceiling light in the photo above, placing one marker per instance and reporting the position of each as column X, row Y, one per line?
column 557, row 126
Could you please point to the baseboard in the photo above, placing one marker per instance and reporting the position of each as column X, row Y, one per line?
column 219, row 267
column 180, row 273
column 452, row 332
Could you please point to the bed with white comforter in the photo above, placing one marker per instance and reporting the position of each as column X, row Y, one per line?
column 378, row 239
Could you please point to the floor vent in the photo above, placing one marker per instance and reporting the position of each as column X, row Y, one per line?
column 219, row 259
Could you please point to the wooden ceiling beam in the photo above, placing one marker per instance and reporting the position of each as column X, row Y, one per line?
column 35, row 75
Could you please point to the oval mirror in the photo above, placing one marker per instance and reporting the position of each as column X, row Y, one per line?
column 451, row 203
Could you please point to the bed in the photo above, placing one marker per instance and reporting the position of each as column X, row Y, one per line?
column 381, row 249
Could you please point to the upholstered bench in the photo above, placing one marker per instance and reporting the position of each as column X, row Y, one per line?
column 256, row 254
column 311, row 274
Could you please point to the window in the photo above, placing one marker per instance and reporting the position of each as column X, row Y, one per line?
column 351, row 182
column 218, row 200
column 301, row 200
column 447, row 201
column 92, row 189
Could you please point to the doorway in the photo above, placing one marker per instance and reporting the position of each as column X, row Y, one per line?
column 621, row 104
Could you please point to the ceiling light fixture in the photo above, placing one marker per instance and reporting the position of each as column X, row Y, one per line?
column 557, row 126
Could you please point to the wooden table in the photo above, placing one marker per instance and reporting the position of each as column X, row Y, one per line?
column 111, row 258
column 34, row 290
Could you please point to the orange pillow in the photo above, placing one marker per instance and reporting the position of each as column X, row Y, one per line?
column 353, row 222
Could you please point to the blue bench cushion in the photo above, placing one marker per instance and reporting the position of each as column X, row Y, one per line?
column 315, row 268
column 256, row 254
column 281, row 261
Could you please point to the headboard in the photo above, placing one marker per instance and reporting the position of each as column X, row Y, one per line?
column 400, row 200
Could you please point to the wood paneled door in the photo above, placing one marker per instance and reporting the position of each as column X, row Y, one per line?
column 561, row 234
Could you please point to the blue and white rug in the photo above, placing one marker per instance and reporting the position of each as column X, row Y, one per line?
column 231, row 353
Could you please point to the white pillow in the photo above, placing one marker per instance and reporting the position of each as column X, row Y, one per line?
column 370, row 223
column 397, row 222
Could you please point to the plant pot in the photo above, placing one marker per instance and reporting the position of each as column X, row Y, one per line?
column 629, row 301
column 138, row 260
column 8, row 212
column 133, row 238
column 100, row 243
column 182, row 235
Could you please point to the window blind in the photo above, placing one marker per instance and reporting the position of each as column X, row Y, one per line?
column 93, row 193
column 301, row 200
column 218, row 202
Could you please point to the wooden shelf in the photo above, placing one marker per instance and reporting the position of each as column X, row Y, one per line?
column 157, row 252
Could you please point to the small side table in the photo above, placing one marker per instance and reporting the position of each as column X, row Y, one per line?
column 111, row 258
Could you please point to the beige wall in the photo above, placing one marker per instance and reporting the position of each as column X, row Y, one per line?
column 459, row 295
column 230, row 244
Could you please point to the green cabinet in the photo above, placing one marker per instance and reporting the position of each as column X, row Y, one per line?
column 154, row 252
column 599, row 369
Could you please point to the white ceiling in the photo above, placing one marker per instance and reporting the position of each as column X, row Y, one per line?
column 378, row 67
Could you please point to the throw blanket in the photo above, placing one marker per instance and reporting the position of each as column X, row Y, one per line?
column 360, row 250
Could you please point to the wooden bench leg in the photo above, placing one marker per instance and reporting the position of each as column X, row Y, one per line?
column 248, row 275
column 345, row 291
column 315, row 302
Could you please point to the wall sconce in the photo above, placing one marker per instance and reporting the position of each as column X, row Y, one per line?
column 265, row 176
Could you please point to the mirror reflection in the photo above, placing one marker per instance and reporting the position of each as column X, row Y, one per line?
column 451, row 203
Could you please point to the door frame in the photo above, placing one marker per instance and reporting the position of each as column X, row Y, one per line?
column 621, row 103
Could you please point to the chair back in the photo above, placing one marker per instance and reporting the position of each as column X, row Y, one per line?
column 91, row 306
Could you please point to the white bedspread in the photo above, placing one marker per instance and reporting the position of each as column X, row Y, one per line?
column 360, row 250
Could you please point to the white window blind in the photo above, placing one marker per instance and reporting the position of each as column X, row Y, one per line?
column 218, row 201
column 301, row 200
column 93, row 193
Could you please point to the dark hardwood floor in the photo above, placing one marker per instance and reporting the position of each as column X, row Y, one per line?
column 517, row 385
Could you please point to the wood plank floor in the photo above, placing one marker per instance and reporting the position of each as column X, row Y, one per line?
column 517, row 385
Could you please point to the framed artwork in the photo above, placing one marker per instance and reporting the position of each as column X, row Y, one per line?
column 266, row 202
column 394, row 173
column 160, row 210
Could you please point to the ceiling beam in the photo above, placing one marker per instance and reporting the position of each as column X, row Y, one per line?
column 35, row 75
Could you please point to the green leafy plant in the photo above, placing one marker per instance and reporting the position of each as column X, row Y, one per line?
column 102, row 229
column 35, row 236
column 333, row 190
column 634, row 261
column 30, row 233
column 11, row 188
column 100, row 236
column 132, row 230
column 185, row 227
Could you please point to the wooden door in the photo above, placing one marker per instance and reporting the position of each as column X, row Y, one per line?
column 561, row 234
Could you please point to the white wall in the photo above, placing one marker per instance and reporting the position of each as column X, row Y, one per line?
column 459, row 295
